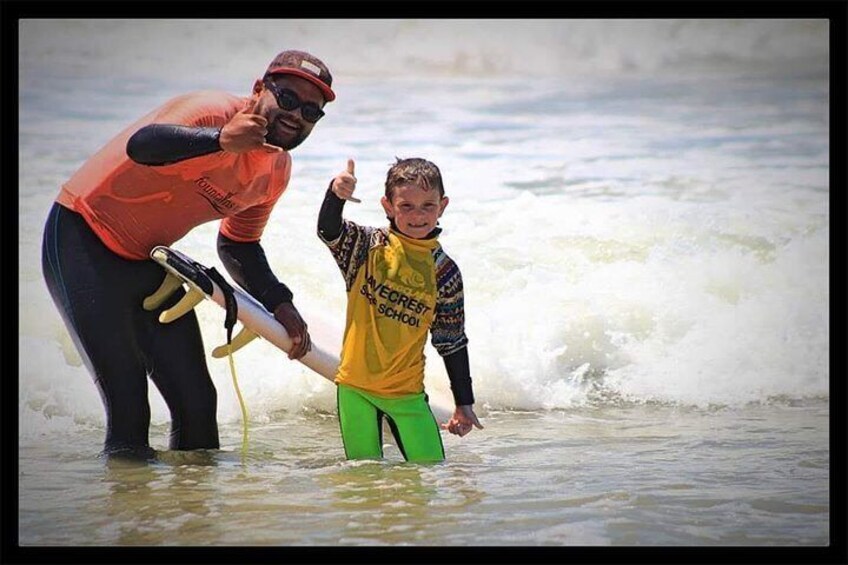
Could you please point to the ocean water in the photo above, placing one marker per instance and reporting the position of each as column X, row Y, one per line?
column 640, row 210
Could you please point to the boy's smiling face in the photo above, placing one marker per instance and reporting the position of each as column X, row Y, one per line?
column 414, row 209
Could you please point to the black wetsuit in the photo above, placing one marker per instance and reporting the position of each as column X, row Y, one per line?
column 99, row 295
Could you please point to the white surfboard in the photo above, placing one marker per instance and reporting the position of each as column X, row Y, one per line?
column 255, row 319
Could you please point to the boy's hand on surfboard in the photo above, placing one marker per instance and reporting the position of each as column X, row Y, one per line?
column 344, row 183
column 246, row 131
column 290, row 319
column 463, row 421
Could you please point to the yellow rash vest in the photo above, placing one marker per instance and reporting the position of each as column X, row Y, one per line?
column 398, row 289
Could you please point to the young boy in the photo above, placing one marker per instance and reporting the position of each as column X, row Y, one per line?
column 400, row 285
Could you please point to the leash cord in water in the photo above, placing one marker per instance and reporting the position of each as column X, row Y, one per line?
column 241, row 402
column 231, row 310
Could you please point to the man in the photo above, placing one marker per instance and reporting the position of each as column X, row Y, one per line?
column 199, row 157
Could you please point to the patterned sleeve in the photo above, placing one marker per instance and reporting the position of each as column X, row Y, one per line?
column 448, row 329
column 350, row 249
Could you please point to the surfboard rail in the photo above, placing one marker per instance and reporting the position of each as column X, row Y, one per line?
column 256, row 320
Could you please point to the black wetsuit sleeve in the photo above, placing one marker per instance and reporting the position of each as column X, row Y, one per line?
column 246, row 263
column 459, row 374
column 163, row 144
column 330, row 216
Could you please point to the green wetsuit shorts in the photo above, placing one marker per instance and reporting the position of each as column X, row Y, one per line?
column 412, row 423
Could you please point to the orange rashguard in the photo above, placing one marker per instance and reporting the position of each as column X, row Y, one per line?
column 134, row 207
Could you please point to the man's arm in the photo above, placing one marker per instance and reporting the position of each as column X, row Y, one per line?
column 163, row 144
column 247, row 264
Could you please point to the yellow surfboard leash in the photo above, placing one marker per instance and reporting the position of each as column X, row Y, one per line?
column 192, row 298
column 244, row 420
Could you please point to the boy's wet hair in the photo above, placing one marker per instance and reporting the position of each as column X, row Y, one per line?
column 414, row 171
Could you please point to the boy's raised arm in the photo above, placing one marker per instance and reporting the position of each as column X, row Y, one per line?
column 341, row 188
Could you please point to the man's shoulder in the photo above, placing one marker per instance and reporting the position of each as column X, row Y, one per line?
column 208, row 94
column 214, row 102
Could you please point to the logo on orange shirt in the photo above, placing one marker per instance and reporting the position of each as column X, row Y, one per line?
column 220, row 202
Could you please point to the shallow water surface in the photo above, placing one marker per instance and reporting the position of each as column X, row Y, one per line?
column 639, row 475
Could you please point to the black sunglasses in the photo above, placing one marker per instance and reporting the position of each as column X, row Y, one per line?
column 288, row 100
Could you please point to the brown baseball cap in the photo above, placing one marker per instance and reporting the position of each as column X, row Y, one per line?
column 304, row 65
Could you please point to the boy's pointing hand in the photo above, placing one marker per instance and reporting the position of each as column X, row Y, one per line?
column 345, row 183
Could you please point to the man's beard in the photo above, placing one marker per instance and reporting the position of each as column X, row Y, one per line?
column 288, row 146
